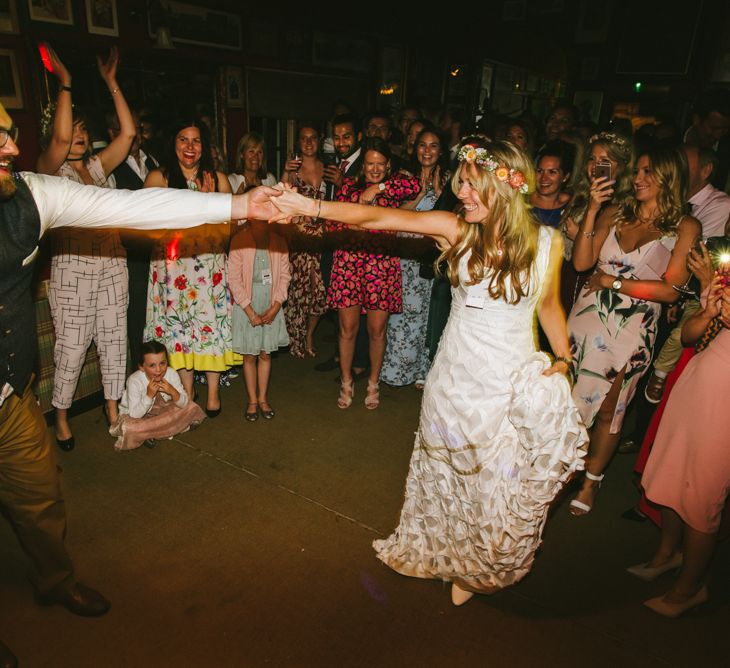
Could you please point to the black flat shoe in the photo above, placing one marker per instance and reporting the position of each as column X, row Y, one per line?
column 252, row 416
column 267, row 415
column 66, row 444
column 634, row 515
column 150, row 443
column 213, row 412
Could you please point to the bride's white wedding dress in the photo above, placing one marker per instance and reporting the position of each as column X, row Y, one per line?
column 496, row 442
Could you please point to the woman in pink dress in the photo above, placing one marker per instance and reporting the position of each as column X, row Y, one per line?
column 688, row 471
column 365, row 276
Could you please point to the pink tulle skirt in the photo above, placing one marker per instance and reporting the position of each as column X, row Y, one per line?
column 164, row 420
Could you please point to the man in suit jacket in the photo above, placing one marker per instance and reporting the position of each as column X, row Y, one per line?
column 130, row 175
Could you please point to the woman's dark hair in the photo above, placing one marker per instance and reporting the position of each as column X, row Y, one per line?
column 170, row 164
column 562, row 150
column 372, row 144
column 414, row 167
column 151, row 347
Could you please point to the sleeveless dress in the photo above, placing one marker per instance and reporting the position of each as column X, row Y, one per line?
column 188, row 300
column 496, row 442
column 609, row 330
column 406, row 358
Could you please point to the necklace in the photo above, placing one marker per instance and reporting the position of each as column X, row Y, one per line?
column 74, row 159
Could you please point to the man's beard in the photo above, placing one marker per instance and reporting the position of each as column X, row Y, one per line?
column 7, row 187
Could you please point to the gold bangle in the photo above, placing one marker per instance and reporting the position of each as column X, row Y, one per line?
column 567, row 361
column 589, row 234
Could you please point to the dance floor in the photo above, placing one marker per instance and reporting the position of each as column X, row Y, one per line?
column 245, row 544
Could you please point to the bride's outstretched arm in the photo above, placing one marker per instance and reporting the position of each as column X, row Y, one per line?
column 443, row 226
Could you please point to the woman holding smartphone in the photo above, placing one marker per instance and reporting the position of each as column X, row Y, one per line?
column 640, row 252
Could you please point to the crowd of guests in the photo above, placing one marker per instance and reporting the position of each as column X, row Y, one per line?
column 633, row 210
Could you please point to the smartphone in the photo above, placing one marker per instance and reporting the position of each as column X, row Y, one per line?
column 719, row 249
column 602, row 169
column 329, row 159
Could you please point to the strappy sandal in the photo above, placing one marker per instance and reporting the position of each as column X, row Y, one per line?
column 347, row 392
column 578, row 508
column 654, row 389
column 372, row 400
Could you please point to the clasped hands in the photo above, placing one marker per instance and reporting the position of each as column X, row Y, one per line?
column 162, row 385
column 278, row 204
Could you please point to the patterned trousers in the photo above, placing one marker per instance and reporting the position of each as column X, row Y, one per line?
column 88, row 297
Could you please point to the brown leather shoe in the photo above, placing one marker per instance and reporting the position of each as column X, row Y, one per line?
column 79, row 599
column 7, row 658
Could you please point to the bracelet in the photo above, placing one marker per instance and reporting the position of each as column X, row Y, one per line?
column 589, row 234
column 319, row 209
column 68, row 88
column 114, row 91
column 567, row 361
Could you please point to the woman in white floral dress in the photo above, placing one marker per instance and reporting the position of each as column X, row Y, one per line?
column 189, row 303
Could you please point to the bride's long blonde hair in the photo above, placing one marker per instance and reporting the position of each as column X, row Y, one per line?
column 509, row 226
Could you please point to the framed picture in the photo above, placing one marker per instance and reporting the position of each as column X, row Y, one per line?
column 190, row 24
column 8, row 17
column 51, row 11
column 11, row 95
column 234, row 87
column 589, row 102
column 101, row 17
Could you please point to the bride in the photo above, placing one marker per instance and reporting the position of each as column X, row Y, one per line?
column 499, row 434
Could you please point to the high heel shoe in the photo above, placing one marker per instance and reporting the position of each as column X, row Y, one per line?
column 459, row 596
column 66, row 444
column 347, row 392
column 372, row 400
column 650, row 573
column 578, row 508
column 672, row 610
column 212, row 412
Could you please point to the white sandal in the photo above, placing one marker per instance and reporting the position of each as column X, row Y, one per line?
column 347, row 392
column 584, row 508
column 372, row 400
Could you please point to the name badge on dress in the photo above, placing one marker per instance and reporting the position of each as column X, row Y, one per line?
column 477, row 295
column 266, row 277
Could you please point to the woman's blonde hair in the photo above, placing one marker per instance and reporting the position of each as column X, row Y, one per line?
column 504, row 245
column 669, row 169
column 248, row 140
column 620, row 150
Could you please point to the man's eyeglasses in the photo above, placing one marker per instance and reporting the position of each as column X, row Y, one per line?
column 8, row 134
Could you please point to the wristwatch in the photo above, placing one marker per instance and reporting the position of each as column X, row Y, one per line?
column 381, row 187
column 616, row 285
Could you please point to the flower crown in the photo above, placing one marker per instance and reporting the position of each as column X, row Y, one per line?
column 623, row 144
column 476, row 155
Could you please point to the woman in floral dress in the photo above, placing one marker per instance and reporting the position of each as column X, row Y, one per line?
column 189, row 304
column 406, row 355
column 307, row 299
column 640, row 251
column 366, row 277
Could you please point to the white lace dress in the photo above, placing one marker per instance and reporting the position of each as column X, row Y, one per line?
column 496, row 442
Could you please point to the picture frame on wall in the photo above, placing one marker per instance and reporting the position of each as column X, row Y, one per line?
column 11, row 94
column 589, row 102
column 51, row 11
column 101, row 17
column 191, row 24
column 8, row 17
column 234, row 87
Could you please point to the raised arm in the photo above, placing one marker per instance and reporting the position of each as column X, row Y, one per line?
column 440, row 225
column 51, row 159
column 116, row 152
column 717, row 304
column 550, row 311
column 592, row 233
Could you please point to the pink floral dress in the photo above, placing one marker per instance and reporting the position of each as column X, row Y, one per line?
column 364, row 270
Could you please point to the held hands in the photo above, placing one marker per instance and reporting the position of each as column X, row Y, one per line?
column 256, row 204
column 289, row 203
column 267, row 317
column 108, row 68
column 601, row 192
